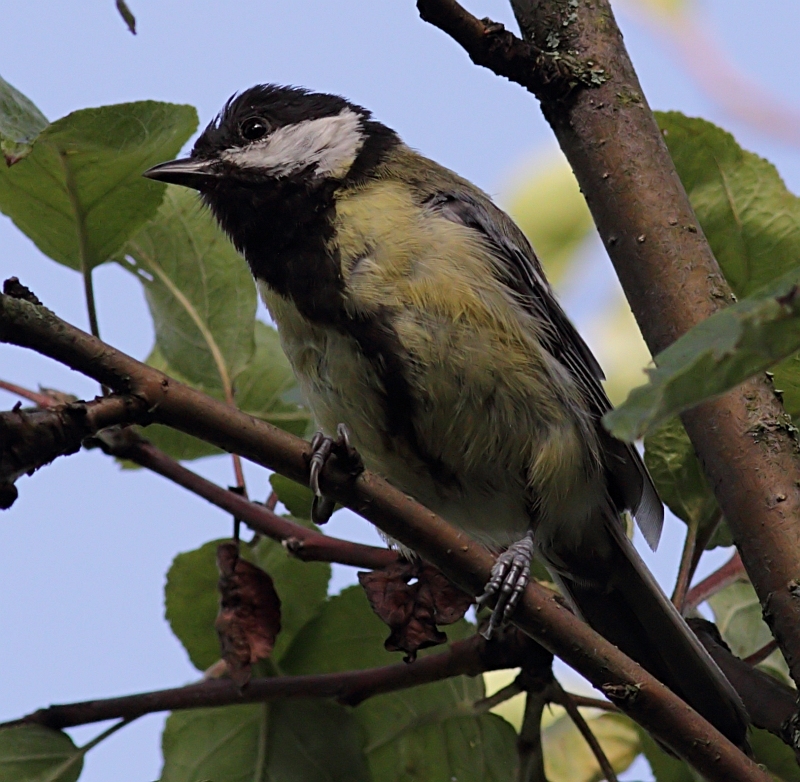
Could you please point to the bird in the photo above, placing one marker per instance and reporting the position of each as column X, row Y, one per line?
column 421, row 328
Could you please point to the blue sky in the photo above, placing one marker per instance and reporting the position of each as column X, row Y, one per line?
column 84, row 551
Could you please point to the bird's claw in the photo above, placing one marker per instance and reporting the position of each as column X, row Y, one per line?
column 322, row 448
column 510, row 576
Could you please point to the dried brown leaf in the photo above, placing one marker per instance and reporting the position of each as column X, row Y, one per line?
column 412, row 598
column 249, row 616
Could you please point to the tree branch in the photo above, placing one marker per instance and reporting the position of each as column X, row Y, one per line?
column 470, row 657
column 686, row 569
column 303, row 543
column 38, row 398
column 671, row 279
column 33, row 438
column 35, row 430
column 565, row 699
column 465, row 562
column 731, row 572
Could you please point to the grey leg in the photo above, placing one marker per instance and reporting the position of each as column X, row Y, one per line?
column 510, row 576
column 322, row 448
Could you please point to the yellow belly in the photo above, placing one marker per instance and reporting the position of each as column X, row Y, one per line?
column 478, row 417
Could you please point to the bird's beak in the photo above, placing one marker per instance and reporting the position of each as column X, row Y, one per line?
column 188, row 172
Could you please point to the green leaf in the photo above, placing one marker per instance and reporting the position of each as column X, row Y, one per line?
column 568, row 758
column 297, row 498
column 33, row 753
column 192, row 600
column 753, row 226
column 200, row 292
column 427, row 732
column 738, row 615
column 751, row 220
column 771, row 752
column 79, row 194
column 267, row 387
column 681, row 483
column 191, row 603
column 468, row 749
column 665, row 768
column 127, row 16
column 283, row 740
column 20, row 123
column 345, row 635
column 713, row 357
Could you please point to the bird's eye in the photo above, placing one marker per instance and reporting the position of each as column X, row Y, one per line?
column 254, row 128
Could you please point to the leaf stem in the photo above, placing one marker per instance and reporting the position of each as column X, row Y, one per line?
column 213, row 347
column 261, row 752
column 57, row 773
column 83, row 243
column 703, row 537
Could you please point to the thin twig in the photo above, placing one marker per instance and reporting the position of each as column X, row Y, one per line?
column 685, row 569
column 501, row 696
column 761, row 654
column 38, row 398
column 530, row 751
column 731, row 572
column 469, row 657
column 703, row 538
column 593, row 703
column 304, row 543
column 565, row 700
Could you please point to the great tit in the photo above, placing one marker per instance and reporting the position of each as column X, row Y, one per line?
column 414, row 311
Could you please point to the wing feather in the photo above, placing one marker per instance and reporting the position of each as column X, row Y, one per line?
column 630, row 485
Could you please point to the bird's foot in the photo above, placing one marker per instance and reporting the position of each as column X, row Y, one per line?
column 347, row 458
column 510, row 576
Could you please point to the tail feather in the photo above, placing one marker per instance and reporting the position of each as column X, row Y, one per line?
column 627, row 607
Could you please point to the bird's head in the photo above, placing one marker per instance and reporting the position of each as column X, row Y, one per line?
column 269, row 135
column 274, row 156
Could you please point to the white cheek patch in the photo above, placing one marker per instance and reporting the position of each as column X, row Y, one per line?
column 329, row 145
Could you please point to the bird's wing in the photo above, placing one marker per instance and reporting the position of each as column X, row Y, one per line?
column 630, row 484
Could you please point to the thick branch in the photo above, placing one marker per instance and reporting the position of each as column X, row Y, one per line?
column 465, row 562
column 32, row 438
column 669, row 274
column 469, row 657
column 673, row 282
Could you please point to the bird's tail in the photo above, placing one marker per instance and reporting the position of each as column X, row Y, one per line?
column 626, row 606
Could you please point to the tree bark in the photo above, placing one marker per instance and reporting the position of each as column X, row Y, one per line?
column 574, row 60
column 672, row 280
